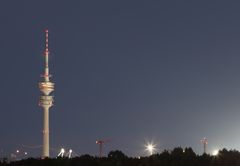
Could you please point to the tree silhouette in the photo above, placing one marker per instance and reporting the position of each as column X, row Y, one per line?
column 117, row 155
column 176, row 157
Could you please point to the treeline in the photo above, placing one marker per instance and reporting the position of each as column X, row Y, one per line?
column 176, row 157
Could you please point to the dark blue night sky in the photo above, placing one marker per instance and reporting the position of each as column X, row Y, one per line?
column 129, row 71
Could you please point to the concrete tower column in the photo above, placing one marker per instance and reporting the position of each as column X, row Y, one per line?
column 45, row 152
column 46, row 101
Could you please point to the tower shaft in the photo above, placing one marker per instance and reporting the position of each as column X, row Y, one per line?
column 45, row 152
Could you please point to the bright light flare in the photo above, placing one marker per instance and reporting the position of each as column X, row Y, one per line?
column 70, row 153
column 215, row 152
column 61, row 153
column 62, row 150
column 151, row 148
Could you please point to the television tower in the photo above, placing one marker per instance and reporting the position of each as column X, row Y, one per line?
column 46, row 100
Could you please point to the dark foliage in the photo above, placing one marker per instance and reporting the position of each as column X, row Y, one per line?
column 176, row 157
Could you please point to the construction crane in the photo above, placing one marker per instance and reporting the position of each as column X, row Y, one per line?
column 100, row 143
column 204, row 141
